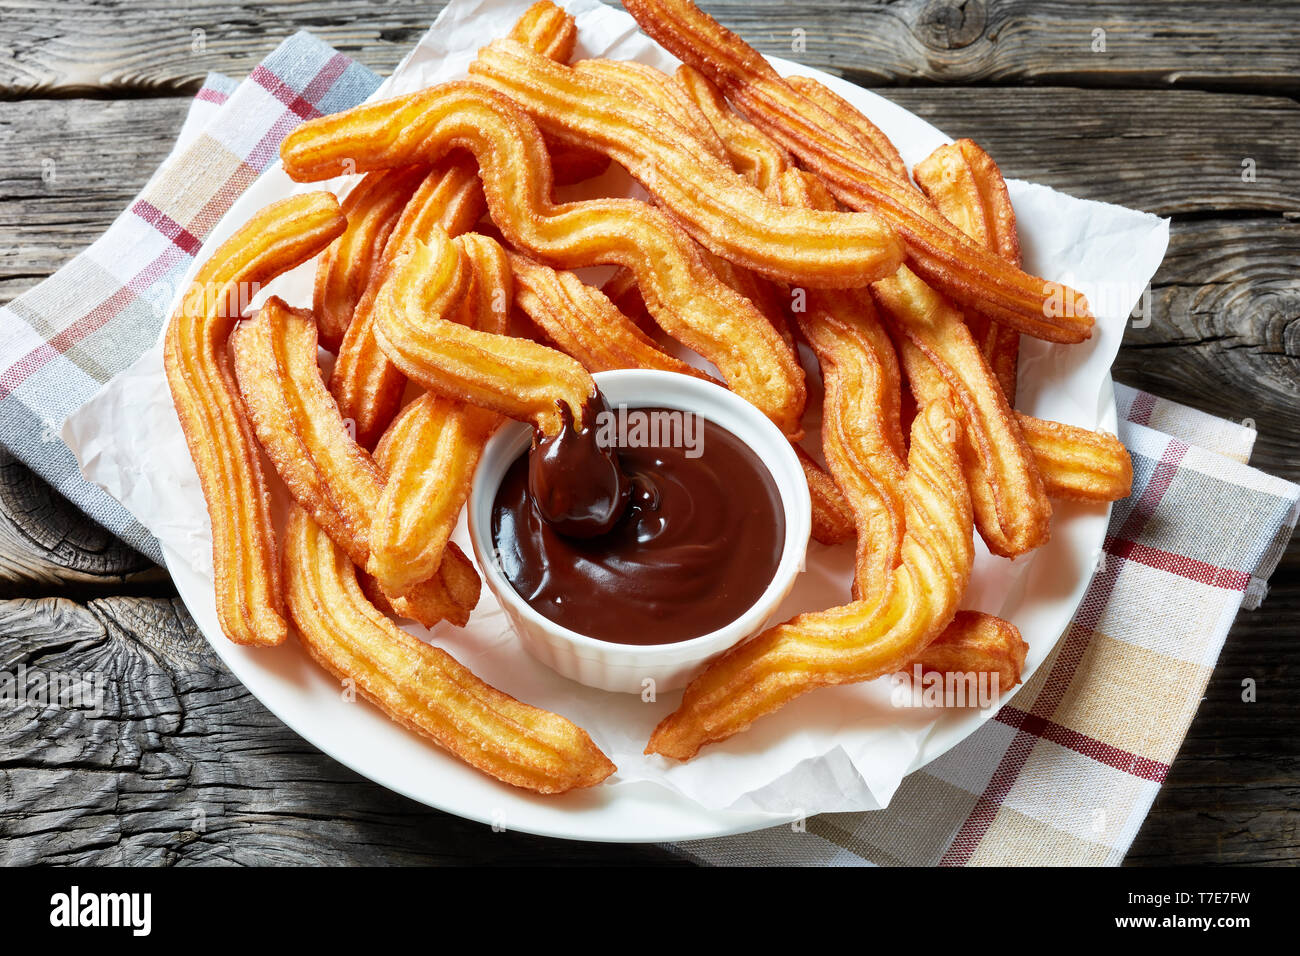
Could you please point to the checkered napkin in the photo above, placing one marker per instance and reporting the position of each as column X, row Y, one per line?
column 1064, row 774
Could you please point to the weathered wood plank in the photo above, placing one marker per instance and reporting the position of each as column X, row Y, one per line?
column 103, row 153
column 151, row 46
column 1224, row 334
column 185, row 767
column 47, row 546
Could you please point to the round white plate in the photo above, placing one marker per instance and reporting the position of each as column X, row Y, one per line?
column 1044, row 590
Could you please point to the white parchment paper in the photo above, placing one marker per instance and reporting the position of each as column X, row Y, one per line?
column 845, row 748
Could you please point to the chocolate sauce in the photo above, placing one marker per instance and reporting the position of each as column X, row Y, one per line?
column 698, row 543
column 575, row 482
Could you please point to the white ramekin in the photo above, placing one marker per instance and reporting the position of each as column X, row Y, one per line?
column 622, row 667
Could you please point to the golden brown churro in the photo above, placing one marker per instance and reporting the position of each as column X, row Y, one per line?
column 584, row 323
column 366, row 384
column 423, row 687
column 217, row 430
column 936, row 250
column 867, row 136
column 346, row 267
column 977, row 643
column 680, row 289
column 432, row 448
column 859, row 641
column 720, row 210
column 298, row 426
column 1012, row 511
column 513, row 377
column 967, row 186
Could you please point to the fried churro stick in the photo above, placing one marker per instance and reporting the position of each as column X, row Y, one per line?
column 976, row 643
column 1012, row 511
column 967, row 186
column 861, row 434
column 552, row 32
column 658, row 90
column 217, row 430
column 369, row 387
column 423, row 687
column 751, row 152
column 585, row 324
column 867, row 136
column 859, row 641
column 547, row 29
column 432, row 448
column 832, row 518
column 513, row 377
column 719, row 209
column 302, row 433
column 366, row 384
column 1078, row 464
column 936, row 250
column 430, row 452
column 680, row 289
column 860, row 368
column 346, row 267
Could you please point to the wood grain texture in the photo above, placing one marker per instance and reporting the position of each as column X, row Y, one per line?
column 150, row 47
column 186, row 767
column 48, row 546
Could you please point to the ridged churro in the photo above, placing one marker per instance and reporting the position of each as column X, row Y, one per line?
column 967, row 187
column 513, row 377
column 723, row 212
column 858, row 641
column 423, row 687
column 1012, row 511
column 680, row 289
column 217, row 430
column 584, row 323
column 299, row 427
column 936, row 250
column 432, row 448
column 366, row 384
column 977, row 643
column 344, row 269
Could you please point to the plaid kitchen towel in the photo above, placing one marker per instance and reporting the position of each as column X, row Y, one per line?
column 63, row 340
column 1063, row 774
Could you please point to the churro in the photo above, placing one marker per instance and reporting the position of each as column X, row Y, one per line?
column 936, row 250
column 299, row 427
column 1012, row 511
column 346, row 267
column 217, row 429
column 423, row 687
column 366, row 384
column 858, row 641
column 584, row 323
column 432, row 448
column 680, row 289
column 513, row 377
column 977, row 643
column 967, row 186
column 722, row 211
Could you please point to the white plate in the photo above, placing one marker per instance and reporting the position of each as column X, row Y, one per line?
column 1040, row 594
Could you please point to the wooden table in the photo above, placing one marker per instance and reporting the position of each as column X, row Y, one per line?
column 1158, row 105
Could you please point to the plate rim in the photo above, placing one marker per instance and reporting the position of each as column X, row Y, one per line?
column 707, row 823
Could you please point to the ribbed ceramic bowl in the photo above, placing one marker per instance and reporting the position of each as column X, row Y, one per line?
column 622, row 667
